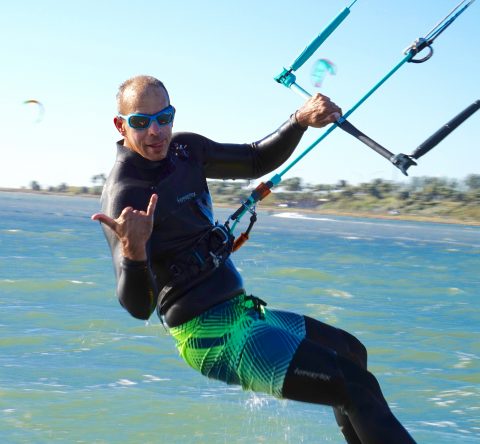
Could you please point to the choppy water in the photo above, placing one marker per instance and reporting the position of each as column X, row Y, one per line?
column 75, row 368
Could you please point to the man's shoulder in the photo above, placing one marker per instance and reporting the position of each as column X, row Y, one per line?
column 118, row 194
column 188, row 139
column 188, row 145
column 124, row 188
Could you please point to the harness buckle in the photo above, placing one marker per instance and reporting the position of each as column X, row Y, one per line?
column 223, row 231
column 258, row 305
column 215, row 259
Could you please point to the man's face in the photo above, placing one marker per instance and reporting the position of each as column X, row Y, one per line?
column 152, row 142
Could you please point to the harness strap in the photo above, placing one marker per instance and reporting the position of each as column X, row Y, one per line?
column 195, row 265
column 258, row 304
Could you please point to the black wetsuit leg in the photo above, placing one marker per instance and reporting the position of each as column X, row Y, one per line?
column 329, row 368
column 345, row 345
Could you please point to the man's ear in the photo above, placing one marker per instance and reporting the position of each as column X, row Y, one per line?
column 119, row 124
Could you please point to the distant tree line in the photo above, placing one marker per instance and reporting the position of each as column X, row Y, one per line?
column 98, row 180
column 428, row 196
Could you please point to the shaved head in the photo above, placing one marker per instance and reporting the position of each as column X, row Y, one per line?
column 148, row 96
column 134, row 89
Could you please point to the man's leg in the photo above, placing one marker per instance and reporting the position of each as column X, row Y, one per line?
column 343, row 343
column 346, row 345
column 319, row 375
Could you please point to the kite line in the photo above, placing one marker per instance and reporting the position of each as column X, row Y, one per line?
column 401, row 161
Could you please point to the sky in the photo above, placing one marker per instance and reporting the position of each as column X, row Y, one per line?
column 218, row 60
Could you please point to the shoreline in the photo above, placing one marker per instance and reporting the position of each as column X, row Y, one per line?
column 366, row 215
column 270, row 208
column 47, row 193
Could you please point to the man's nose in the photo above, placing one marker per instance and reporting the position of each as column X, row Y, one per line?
column 154, row 127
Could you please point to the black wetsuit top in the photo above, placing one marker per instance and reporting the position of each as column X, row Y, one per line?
column 183, row 214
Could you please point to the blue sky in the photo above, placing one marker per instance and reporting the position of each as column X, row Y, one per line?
column 218, row 60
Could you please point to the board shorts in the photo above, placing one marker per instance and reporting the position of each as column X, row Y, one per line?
column 242, row 342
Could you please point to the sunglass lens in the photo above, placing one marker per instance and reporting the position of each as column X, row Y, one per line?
column 165, row 117
column 139, row 121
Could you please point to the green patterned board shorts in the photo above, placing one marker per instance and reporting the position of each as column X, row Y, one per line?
column 241, row 342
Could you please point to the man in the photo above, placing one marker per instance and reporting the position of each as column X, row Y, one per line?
column 169, row 255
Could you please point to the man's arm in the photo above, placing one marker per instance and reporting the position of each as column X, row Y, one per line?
column 250, row 161
column 136, row 287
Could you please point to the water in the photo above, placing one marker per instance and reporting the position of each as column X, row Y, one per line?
column 76, row 368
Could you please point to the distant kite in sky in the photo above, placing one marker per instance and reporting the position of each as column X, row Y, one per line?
column 320, row 69
column 39, row 109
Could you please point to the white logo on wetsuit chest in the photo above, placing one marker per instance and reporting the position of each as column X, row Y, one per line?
column 186, row 197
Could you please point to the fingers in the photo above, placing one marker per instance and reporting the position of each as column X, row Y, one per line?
column 150, row 208
column 318, row 111
column 125, row 211
column 319, row 96
column 330, row 119
column 326, row 105
column 152, row 204
column 125, row 214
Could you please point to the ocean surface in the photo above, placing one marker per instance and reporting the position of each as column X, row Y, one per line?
column 76, row 368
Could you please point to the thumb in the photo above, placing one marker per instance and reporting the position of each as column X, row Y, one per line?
column 104, row 219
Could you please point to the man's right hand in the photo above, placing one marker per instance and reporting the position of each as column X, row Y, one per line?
column 133, row 228
column 318, row 111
